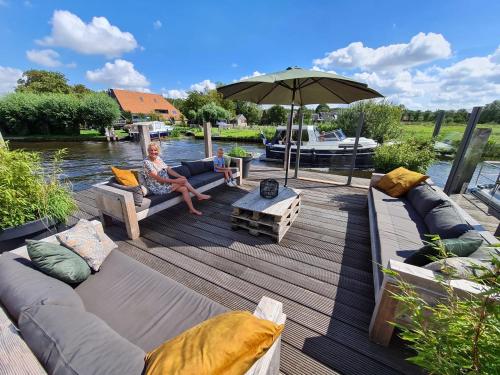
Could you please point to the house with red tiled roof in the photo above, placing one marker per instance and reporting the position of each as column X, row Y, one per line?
column 140, row 103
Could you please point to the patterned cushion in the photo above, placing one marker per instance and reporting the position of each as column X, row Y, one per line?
column 84, row 240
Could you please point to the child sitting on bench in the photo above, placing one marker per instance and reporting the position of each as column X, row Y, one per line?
column 220, row 167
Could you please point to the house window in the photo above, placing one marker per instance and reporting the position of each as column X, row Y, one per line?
column 174, row 112
column 161, row 110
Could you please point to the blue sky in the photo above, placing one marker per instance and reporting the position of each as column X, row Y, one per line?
column 424, row 54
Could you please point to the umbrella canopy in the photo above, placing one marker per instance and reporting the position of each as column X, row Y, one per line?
column 309, row 86
column 296, row 86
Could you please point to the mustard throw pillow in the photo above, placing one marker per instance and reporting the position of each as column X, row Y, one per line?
column 399, row 181
column 229, row 343
column 125, row 177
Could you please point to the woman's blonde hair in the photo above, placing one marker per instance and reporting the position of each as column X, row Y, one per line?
column 154, row 145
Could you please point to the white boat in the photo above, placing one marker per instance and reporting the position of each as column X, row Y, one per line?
column 156, row 129
column 333, row 148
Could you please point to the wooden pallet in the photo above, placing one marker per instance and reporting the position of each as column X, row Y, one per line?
column 270, row 224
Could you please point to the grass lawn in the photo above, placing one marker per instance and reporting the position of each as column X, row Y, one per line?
column 85, row 135
column 249, row 134
column 452, row 131
column 120, row 133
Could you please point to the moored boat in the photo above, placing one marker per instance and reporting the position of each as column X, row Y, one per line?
column 319, row 148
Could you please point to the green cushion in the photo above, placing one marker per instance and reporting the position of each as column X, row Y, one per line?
column 455, row 246
column 58, row 261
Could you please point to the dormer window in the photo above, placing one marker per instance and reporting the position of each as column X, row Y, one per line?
column 141, row 98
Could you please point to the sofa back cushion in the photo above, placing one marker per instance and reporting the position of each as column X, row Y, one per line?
column 183, row 170
column 21, row 286
column 58, row 261
column 71, row 341
column 424, row 198
column 198, row 167
column 445, row 221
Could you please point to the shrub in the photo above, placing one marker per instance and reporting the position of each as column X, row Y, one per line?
column 455, row 335
column 99, row 111
column 27, row 193
column 57, row 114
column 238, row 152
column 382, row 120
column 411, row 154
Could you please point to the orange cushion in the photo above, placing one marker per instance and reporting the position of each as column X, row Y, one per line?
column 125, row 177
column 399, row 181
column 229, row 343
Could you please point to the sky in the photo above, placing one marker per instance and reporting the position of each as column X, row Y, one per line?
column 423, row 54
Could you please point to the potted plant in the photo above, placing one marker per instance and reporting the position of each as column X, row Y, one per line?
column 240, row 152
column 32, row 200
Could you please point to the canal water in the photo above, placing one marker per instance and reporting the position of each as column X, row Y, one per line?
column 88, row 163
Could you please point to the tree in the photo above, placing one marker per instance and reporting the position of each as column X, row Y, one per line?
column 81, row 89
column 99, row 111
column 212, row 112
column 251, row 111
column 322, row 108
column 491, row 113
column 43, row 81
column 307, row 114
column 276, row 115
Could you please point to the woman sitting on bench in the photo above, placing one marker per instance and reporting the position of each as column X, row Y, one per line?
column 158, row 181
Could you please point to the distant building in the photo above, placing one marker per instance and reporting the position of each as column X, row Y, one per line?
column 140, row 103
column 324, row 116
column 239, row 120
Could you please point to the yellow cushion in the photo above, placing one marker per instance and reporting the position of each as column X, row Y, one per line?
column 229, row 343
column 125, row 177
column 399, row 181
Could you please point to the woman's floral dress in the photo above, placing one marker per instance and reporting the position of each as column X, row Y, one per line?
column 161, row 170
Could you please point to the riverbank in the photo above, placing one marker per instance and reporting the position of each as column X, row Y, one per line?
column 85, row 135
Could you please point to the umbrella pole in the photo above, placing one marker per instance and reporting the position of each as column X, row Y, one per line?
column 355, row 149
column 297, row 154
column 289, row 137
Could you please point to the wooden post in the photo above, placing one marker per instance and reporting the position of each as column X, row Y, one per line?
column 144, row 138
column 106, row 133
column 454, row 183
column 355, row 150
column 437, row 125
column 207, row 136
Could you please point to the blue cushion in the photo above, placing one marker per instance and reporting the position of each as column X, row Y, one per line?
column 424, row 198
column 199, row 166
column 183, row 170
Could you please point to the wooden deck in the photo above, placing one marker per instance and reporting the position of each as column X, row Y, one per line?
column 321, row 270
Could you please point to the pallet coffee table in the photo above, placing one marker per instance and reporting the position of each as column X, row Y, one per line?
column 272, row 217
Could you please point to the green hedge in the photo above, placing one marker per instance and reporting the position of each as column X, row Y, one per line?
column 50, row 114
column 411, row 154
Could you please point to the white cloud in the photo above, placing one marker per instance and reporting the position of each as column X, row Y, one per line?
column 422, row 48
column 119, row 74
column 4, row 3
column 98, row 37
column 8, row 79
column 157, row 25
column 203, row 86
column 234, row 65
column 44, row 57
column 175, row 94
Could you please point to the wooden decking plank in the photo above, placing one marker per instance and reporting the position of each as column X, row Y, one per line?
column 282, row 256
column 286, row 280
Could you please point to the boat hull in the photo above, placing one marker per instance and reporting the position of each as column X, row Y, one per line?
column 324, row 158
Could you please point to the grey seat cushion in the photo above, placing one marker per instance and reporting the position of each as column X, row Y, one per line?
column 21, row 286
column 142, row 305
column 154, row 199
column 445, row 221
column 400, row 229
column 70, row 341
column 424, row 198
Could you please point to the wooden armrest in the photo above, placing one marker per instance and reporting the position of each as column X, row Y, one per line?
column 269, row 364
column 375, row 178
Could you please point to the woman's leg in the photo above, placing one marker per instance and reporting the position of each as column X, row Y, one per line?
column 187, row 198
column 191, row 189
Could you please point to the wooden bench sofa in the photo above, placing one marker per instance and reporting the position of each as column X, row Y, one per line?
column 113, row 203
column 396, row 231
column 138, row 286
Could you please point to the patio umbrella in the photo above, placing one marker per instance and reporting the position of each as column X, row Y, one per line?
column 296, row 86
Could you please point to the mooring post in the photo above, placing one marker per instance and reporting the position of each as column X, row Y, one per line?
column 466, row 155
column 437, row 124
column 207, row 137
column 355, row 149
column 144, row 138
column 2, row 142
